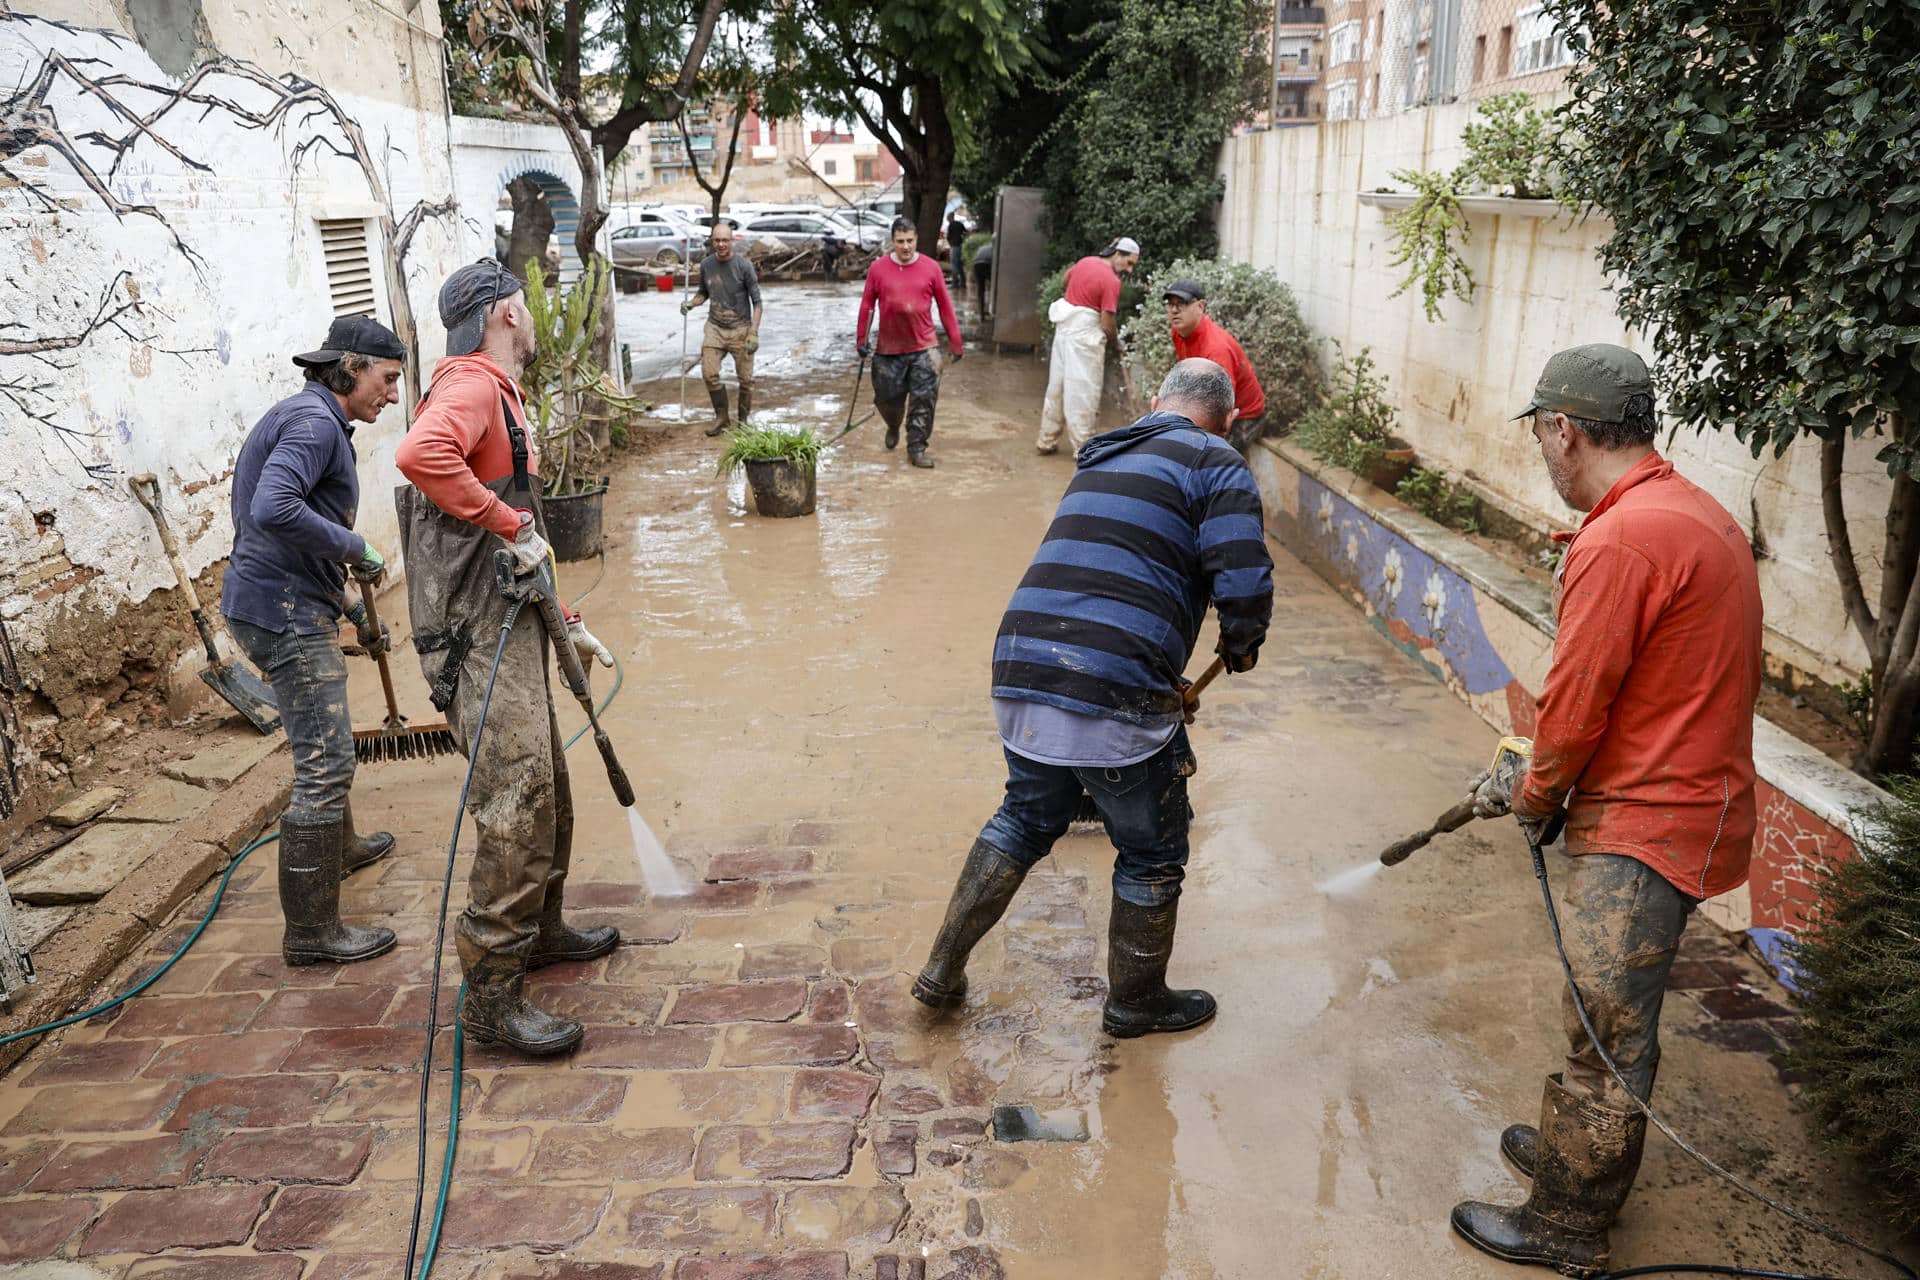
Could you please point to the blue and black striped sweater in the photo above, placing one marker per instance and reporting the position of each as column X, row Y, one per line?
column 1160, row 519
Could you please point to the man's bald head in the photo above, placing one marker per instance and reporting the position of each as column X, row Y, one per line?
column 1201, row 390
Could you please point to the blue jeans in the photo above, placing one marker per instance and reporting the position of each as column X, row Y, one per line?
column 309, row 678
column 1143, row 805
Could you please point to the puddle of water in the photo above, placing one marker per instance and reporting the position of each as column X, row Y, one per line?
column 662, row 877
column 1352, row 880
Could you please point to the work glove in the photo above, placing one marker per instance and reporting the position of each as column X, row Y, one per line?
column 584, row 643
column 370, row 567
column 529, row 548
column 686, row 305
column 957, row 353
column 1492, row 798
column 864, row 348
column 371, row 643
column 1239, row 662
column 752, row 342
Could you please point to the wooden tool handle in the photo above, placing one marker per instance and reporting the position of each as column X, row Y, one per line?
column 140, row 485
column 1207, row 677
column 394, row 718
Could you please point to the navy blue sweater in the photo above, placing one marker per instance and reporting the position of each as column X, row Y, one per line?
column 295, row 493
column 1160, row 519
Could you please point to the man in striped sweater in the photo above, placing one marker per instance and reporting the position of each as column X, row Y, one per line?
column 1162, row 518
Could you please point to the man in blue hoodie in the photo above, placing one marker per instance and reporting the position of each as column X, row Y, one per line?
column 1162, row 518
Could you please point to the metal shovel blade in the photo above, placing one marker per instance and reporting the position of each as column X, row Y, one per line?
column 245, row 692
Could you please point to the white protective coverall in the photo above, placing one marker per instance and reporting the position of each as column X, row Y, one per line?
column 1075, row 375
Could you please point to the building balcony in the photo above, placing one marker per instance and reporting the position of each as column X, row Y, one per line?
column 1303, row 16
column 1288, row 75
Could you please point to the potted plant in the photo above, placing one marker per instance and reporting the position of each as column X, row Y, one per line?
column 780, row 463
column 1353, row 426
column 573, row 408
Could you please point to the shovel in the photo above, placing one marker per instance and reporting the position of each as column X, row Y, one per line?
column 244, row 691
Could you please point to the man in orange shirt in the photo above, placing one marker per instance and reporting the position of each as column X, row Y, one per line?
column 1645, row 736
column 1195, row 334
column 475, row 489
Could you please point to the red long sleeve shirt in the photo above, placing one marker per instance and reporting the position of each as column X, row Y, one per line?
column 1646, row 724
column 1211, row 342
column 906, row 296
column 459, row 442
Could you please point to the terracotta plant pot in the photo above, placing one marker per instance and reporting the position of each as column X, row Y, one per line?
column 1394, row 466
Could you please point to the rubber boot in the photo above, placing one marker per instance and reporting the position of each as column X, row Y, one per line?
column 310, row 898
column 746, row 404
column 1139, row 1002
column 987, row 884
column 559, row 942
column 1586, row 1156
column 497, row 1011
column 722, row 416
column 1520, row 1143
column 919, row 458
column 892, row 440
column 356, row 851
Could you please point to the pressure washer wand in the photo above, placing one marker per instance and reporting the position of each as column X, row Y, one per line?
column 1510, row 760
column 541, row 589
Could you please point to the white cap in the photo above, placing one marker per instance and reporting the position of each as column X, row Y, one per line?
column 1127, row 244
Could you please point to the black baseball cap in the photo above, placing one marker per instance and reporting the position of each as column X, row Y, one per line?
column 354, row 335
column 1185, row 290
column 464, row 300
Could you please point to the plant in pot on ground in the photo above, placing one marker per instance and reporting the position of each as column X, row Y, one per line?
column 1353, row 426
column 573, row 406
column 1257, row 309
column 781, row 463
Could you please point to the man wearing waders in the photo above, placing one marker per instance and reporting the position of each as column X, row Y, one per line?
column 1085, row 324
column 1161, row 519
column 476, row 488
column 1645, row 736
column 733, row 325
column 906, row 286
column 296, row 491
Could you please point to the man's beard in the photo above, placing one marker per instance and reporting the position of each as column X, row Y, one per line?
column 1561, row 476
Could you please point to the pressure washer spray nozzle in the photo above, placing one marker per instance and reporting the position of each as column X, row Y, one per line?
column 1510, row 760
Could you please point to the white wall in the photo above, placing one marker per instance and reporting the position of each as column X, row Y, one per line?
column 1292, row 205
column 175, row 323
column 488, row 154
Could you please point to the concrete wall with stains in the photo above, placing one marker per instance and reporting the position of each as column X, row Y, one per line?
column 163, row 167
column 1293, row 205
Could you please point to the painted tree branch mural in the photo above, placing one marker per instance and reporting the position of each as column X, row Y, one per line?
column 154, row 114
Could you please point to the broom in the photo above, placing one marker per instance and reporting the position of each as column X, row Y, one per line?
column 396, row 739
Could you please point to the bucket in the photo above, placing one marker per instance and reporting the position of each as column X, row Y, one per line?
column 664, row 282
column 781, row 486
column 574, row 522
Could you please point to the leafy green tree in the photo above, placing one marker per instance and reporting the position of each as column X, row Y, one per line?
column 906, row 68
column 1761, row 167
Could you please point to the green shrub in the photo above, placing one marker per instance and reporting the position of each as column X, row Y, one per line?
column 1252, row 305
column 1051, row 290
column 1509, row 147
column 1858, row 971
column 974, row 242
column 1353, row 426
column 1429, row 492
column 747, row 443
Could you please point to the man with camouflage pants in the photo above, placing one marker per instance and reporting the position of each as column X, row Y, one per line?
column 905, row 288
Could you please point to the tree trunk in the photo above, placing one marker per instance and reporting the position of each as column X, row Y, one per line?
column 930, row 214
column 1890, row 749
column 532, row 226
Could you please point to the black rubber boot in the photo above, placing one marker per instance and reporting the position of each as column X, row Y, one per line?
column 1520, row 1143
column 357, row 851
column 919, row 458
column 1585, row 1157
column 893, row 429
column 987, row 884
column 561, row 943
column 722, row 416
column 1139, row 1002
column 310, row 898
column 746, row 404
column 497, row 1011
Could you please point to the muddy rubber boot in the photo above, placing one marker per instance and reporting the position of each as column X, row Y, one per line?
column 987, row 884
column 892, row 440
column 722, row 416
column 310, row 898
column 357, row 851
column 561, row 943
column 1520, row 1143
column 1585, row 1157
column 497, row 1011
column 746, row 404
column 1139, row 1002
column 919, row 458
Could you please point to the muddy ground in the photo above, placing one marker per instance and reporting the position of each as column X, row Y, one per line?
column 805, row 717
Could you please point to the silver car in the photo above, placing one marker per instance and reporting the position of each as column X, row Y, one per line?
column 806, row 231
column 655, row 240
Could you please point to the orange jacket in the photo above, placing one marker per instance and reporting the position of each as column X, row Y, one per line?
column 1211, row 342
column 459, row 442
column 1646, row 724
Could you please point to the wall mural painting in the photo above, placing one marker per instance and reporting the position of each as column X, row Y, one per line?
column 155, row 115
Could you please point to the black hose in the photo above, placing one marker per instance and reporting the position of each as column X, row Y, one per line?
column 1832, row 1233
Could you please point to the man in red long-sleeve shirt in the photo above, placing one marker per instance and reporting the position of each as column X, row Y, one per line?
column 475, row 488
column 1196, row 334
column 906, row 287
column 1645, row 735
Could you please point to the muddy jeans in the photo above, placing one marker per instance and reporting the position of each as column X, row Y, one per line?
column 521, row 800
column 1622, row 922
column 1143, row 805
column 716, row 345
column 895, row 378
column 309, row 678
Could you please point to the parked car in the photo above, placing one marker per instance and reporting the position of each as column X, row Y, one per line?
column 806, row 230
column 654, row 240
column 741, row 240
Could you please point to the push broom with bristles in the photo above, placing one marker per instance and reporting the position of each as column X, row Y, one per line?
column 396, row 739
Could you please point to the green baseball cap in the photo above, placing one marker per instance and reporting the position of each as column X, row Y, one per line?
column 1592, row 382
